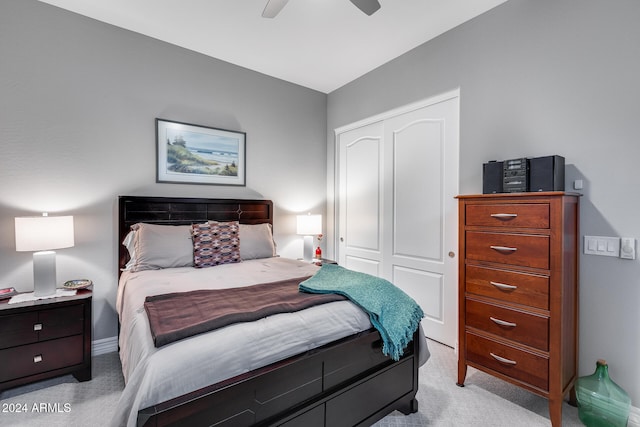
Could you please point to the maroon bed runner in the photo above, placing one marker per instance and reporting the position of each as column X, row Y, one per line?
column 183, row 314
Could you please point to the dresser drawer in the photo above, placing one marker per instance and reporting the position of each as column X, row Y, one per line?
column 524, row 215
column 516, row 325
column 61, row 322
column 519, row 288
column 511, row 361
column 18, row 329
column 41, row 357
column 515, row 249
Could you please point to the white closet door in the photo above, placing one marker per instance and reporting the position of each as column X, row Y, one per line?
column 361, row 199
column 421, row 229
column 396, row 212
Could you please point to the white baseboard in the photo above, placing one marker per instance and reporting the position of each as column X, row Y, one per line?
column 634, row 417
column 107, row 345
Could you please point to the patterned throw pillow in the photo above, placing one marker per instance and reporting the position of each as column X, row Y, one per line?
column 215, row 243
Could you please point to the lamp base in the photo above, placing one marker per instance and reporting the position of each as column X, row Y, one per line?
column 44, row 273
column 307, row 250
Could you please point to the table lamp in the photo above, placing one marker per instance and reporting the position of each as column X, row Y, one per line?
column 42, row 234
column 308, row 226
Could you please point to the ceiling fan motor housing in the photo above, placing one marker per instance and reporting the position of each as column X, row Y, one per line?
column 273, row 7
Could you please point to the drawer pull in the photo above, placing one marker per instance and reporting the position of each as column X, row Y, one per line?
column 504, row 215
column 503, row 286
column 503, row 322
column 503, row 360
column 37, row 358
column 503, row 248
column 37, row 327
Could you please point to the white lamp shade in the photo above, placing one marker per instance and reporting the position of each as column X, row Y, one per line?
column 309, row 224
column 41, row 233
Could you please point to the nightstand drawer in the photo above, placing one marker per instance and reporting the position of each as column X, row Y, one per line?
column 515, row 325
column 526, row 250
column 36, row 358
column 516, row 363
column 61, row 322
column 520, row 288
column 18, row 329
column 525, row 215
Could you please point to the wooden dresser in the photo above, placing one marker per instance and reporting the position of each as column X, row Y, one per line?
column 518, row 291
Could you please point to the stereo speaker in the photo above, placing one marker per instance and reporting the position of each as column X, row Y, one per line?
column 546, row 173
column 492, row 177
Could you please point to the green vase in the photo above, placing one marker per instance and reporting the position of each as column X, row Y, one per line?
column 601, row 402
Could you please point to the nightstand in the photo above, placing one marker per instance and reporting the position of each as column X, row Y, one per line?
column 45, row 338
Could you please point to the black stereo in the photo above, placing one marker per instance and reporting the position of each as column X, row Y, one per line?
column 523, row 174
column 515, row 174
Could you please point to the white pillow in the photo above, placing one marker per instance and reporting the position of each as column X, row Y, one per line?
column 153, row 246
column 256, row 241
column 128, row 243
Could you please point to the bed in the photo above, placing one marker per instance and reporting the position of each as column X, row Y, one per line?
column 321, row 366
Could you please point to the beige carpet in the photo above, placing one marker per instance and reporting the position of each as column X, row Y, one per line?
column 65, row 402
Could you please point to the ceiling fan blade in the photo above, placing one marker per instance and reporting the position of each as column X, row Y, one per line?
column 273, row 7
column 367, row 6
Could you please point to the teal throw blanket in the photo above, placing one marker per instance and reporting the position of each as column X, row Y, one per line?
column 392, row 312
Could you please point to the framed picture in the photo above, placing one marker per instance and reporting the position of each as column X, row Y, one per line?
column 193, row 154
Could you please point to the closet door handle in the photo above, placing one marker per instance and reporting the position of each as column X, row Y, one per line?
column 503, row 286
column 503, row 322
column 503, row 360
column 503, row 248
column 504, row 215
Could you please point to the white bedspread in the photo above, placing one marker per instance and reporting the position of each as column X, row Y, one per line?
column 153, row 375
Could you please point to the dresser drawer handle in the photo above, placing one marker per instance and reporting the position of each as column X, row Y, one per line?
column 37, row 327
column 504, row 216
column 503, row 248
column 503, row 285
column 503, row 322
column 37, row 358
column 503, row 360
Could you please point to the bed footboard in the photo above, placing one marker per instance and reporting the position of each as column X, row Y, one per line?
column 346, row 383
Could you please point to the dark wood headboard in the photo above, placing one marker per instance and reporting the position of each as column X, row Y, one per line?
column 180, row 211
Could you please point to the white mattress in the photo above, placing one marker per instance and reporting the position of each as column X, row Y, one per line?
column 153, row 375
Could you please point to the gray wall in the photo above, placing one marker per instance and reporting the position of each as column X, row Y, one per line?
column 538, row 78
column 78, row 100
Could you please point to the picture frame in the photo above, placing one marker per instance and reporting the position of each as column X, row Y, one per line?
column 195, row 154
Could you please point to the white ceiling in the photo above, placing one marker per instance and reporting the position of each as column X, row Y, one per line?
column 320, row 44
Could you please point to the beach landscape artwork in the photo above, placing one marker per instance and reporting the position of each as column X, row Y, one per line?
column 189, row 153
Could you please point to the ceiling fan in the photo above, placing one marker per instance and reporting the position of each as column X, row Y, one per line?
column 274, row 7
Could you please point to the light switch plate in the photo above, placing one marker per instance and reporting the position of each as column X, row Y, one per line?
column 628, row 248
column 601, row 245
